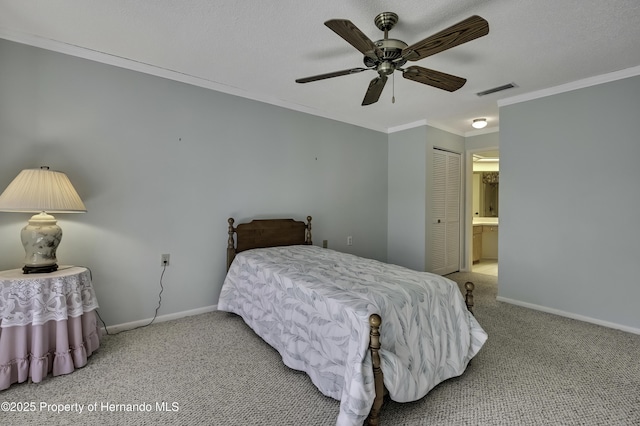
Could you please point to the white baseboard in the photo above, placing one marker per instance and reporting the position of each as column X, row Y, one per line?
column 162, row 318
column 569, row 315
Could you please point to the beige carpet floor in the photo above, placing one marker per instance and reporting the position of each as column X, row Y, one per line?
column 211, row 369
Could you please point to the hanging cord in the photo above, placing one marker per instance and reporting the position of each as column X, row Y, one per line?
column 393, row 88
column 164, row 268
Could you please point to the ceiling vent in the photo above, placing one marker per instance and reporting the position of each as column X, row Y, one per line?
column 497, row 89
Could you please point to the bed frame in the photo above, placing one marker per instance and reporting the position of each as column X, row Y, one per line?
column 261, row 233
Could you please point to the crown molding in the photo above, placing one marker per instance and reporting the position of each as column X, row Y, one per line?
column 578, row 84
column 407, row 126
column 421, row 123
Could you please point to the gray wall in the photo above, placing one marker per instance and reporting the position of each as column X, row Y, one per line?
column 482, row 142
column 161, row 165
column 410, row 183
column 569, row 200
column 407, row 190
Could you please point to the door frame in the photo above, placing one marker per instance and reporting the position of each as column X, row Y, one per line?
column 468, row 205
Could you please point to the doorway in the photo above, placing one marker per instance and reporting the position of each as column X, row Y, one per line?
column 482, row 218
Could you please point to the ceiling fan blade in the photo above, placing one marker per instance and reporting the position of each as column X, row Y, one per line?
column 348, row 31
column 438, row 79
column 330, row 75
column 374, row 90
column 462, row 32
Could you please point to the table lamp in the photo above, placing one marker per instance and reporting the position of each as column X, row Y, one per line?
column 41, row 191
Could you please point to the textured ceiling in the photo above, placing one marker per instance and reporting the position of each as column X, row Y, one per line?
column 257, row 49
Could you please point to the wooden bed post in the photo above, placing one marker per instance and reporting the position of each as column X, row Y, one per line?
column 307, row 232
column 231, row 248
column 374, row 346
column 468, row 298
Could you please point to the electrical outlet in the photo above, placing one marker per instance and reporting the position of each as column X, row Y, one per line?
column 164, row 259
column 349, row 240
column 325, row 243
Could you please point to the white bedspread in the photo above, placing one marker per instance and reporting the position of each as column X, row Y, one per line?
column 313, row 306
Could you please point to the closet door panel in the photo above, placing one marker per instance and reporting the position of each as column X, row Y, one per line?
column 445, row 210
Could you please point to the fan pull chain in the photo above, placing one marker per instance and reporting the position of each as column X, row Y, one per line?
column 393, row 88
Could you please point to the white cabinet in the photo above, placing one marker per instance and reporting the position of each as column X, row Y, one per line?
column 477, row 243
column 489, row 241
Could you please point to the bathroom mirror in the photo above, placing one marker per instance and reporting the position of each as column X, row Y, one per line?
column 487, row 199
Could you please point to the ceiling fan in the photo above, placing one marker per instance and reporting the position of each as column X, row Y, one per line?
column 388, row 55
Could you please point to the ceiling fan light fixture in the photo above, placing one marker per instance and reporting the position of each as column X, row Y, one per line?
column 479, row 123
column 388, row 55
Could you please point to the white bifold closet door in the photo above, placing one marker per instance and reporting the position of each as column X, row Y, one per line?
column 445, row 211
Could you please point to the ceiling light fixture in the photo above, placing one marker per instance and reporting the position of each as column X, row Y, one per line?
column 479, row 123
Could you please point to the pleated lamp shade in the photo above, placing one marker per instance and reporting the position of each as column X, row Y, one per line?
column 41, row 191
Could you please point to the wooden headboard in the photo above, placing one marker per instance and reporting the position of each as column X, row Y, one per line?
column 262, row 233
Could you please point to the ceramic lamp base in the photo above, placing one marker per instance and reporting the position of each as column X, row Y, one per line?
column 40, row 239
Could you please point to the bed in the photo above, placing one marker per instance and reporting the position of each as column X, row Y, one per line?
column 361, row 329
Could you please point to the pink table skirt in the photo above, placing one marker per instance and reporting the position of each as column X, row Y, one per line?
column 58, row 347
